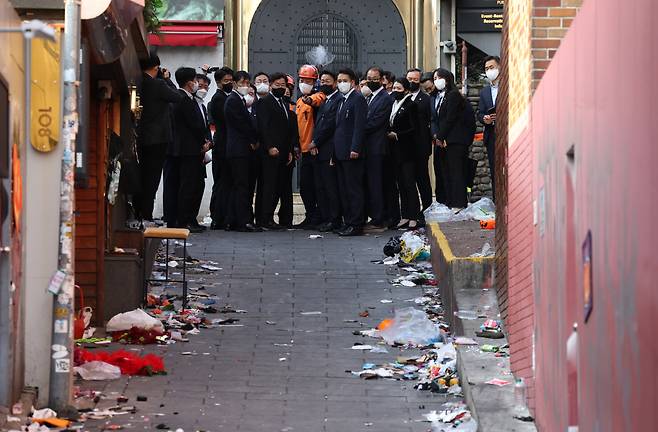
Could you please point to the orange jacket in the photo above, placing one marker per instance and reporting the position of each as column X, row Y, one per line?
column 306, row 119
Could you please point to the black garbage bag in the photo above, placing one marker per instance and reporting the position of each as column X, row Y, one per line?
column 393, row 246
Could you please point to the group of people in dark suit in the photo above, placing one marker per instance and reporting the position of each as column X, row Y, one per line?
column 364, row 147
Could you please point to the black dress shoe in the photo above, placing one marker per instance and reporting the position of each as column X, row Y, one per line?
column 351, row 232
column 326, row 227
column 199, row 226
column 194, row 229
column 273, row 226
column 248, row 228
column 339, row 228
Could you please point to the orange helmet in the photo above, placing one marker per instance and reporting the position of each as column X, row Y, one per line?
column 308, row 71
column 290, row 80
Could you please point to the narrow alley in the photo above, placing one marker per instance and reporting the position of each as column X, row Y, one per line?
column 284, row 366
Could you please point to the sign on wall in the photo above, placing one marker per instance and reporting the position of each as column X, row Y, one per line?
column 480, row 16
column 46, row 94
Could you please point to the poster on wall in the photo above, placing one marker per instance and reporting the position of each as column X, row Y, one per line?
column 192, row 10
column 587, row 275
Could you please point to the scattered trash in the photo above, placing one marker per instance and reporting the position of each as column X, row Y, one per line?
column 311, row 313
column 411, row 326
column 315, row 236
column 362, row 347
column 487, row 251
column 364, row 314
column 490, row 329
column 484, row 209
column 497, row 382
column 465, row 341
column 210, row 267
column 467, row 314
column 126, row 362
column 385, row 301
column 134, row 319
column 489, row 224
column 98, row 371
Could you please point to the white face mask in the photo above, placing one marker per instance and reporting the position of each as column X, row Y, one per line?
column 195, row 87
column 305, row 88
column 492, row 74
column 440, row 84
column 262, row 88
column 344, row 87
column 249, row 100
column 201, row 93
column 244, row 91
column 365, row 91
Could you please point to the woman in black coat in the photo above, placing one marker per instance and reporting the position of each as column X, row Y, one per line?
column 403, row 129
column 453, row 127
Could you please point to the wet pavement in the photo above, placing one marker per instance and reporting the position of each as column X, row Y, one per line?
column 283, row 366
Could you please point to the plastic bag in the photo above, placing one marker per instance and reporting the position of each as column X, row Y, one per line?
column 98, row 371
column 412, row 247
column 441, row 213
column 135, row 318
column 483, row 209
column 411, row 326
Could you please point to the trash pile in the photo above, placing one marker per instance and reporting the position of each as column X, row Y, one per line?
column 421, row 326
column 482, row 210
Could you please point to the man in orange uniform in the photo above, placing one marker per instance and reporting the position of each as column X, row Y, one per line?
column 307, row 106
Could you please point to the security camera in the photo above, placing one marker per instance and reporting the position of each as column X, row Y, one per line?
column 38, row 29
column 449, row 47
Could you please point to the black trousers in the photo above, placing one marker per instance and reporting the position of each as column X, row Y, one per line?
column 216, row 178
column 190, row 174
column 453, row 167
column 406, row 179
column 170, row 188
column 439, row 183
column 327, row 192
column 256, row 184
column 375, row 183
column 198, row 197
column 423, row 183
column 277, row 183
column 491, row 156
column 151, row 161
column 308, row 178
column 220, row 207
column 240, row 212
column 391, row 191
column 352, row 192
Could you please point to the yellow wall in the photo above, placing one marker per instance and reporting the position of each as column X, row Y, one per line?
column 519, row 66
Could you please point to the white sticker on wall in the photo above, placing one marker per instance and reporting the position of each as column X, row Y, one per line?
column 61, row 326
column 63, row 366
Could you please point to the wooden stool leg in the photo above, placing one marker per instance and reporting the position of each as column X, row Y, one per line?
column 166, row 265
column 184, row 276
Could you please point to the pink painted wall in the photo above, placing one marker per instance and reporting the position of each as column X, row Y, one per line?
column 600, row 95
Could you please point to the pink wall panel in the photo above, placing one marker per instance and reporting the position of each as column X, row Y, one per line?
column 599, row 94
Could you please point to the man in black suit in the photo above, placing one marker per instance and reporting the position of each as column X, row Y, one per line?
column 204, row 83
column 487, row 113
column 326, row 180
column 276, row 133
column 376, row 145
column 349, row 146
column 154, row 133
column 190, row 142
column 220, row 169
column 241, row 141
column 424, row 134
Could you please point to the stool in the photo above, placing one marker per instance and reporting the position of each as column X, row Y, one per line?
column 167, row 234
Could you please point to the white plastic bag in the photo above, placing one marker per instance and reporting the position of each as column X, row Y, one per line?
column 441, row 213
column 411, row 326
column 483, row 209
column 135, row 318
column 98, row 371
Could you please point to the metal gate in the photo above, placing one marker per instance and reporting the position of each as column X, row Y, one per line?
column 333, row 33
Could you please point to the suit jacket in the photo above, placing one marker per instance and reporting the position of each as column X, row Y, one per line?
column 325, row 126
column 423, row 102
column 275, row 128
column 486, row 103
column 240, row 132
column 406, row 126
column 455, row 120
column 155, row 124
column 351, row 119
column 379, row 113
column 216, row 113
column 189, row 126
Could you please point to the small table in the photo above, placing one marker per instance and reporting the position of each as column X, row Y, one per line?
column 167, row 234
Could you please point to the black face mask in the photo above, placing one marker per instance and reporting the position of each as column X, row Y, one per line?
column 326, row 89
column 374, row 85
column 398, row 95
column 279, row 92
column 414, row 86
column 227, row 88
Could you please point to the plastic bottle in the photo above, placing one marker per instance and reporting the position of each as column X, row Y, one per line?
column 519, row 395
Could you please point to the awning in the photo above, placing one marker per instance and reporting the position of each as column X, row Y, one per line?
column 187, row 33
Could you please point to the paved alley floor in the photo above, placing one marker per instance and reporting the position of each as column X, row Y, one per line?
column 285, row 369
